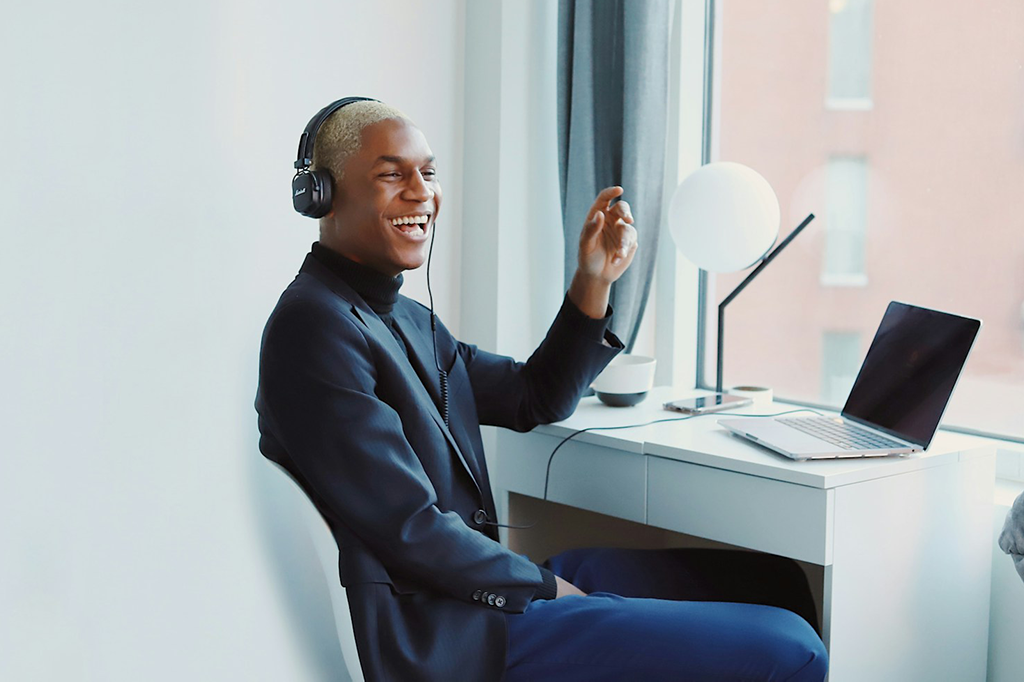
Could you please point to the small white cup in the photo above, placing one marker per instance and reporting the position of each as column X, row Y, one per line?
column 761, row 395
column 626, row 380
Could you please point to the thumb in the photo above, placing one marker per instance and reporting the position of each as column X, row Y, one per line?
column 591, row 232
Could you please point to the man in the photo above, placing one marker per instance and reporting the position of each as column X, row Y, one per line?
column 352, row 402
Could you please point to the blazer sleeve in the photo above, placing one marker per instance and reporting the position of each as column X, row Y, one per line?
column 548, row 386
column 317, row 379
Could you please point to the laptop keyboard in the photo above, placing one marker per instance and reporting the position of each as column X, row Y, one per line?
column 841, row 433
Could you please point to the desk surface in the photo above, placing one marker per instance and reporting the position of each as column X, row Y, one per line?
column 701, row 440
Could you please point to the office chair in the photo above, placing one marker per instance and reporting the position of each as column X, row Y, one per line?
column 327, row 551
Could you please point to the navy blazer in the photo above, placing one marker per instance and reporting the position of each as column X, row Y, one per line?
column 355, row 420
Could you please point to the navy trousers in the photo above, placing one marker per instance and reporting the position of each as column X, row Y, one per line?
column 675, row 614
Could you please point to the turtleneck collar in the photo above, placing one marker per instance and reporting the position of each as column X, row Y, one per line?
column 378, row 290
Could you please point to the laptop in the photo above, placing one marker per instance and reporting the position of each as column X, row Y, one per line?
column 897, row 400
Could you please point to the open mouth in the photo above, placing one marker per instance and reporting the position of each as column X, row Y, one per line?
column 414, row 226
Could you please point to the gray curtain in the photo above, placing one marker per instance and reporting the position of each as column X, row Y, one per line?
column 612, row 112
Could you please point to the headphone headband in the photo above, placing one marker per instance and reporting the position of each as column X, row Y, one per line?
column 305, row 155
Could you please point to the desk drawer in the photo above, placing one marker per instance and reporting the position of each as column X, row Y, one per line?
column 748, row 511
column 604, row 480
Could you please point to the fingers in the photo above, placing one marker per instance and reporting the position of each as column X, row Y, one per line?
column 627, row 242
column 611, row 224
column 607, row 194
column 621, row 211
column 632, row 250
column 604, row 200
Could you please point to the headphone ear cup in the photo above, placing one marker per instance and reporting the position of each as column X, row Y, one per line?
column 324, row 195
column 312, row 193
column 303, row 192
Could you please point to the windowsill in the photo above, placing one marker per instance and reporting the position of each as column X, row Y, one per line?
column 849, row 104
column 838, row 280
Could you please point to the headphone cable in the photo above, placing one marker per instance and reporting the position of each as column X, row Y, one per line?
column 433, row 333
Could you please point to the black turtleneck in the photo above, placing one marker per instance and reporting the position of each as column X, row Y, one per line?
column 380, row 291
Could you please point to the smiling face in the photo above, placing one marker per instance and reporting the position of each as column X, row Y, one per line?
column 386, row 201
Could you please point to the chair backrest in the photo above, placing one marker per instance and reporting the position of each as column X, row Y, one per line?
column 327, row 551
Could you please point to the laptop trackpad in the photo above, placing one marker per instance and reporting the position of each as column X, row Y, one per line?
column 781, row 437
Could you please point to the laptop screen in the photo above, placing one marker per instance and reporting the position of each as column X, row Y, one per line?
column 910, row 370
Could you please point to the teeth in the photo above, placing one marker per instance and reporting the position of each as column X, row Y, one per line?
column 410, row 220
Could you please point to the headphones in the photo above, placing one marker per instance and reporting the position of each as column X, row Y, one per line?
column 313, row 190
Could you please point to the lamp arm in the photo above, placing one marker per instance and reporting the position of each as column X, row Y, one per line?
column 742, row 285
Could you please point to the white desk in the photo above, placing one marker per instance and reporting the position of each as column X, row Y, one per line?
column 904, row 542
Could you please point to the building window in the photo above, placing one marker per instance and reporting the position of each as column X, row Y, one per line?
column 840, row 362
column 849, row 54
column 845, row 222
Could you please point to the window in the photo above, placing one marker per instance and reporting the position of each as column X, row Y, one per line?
column 841, row 358
column 917, row 196
column 849, row 54
column 845, row 218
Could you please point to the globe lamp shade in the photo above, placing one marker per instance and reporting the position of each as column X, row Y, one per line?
column 724, row 217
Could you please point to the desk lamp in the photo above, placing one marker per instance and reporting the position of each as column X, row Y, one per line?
column 724, row 217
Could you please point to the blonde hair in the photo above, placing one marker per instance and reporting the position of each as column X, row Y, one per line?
column 341, row 134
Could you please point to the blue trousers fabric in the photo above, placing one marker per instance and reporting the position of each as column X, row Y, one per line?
column 677, row 614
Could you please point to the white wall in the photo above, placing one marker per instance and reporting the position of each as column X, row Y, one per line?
column 513, row 247
column 146, row 234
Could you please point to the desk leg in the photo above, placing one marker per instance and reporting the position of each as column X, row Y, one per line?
column 826, row 609
column 907, row 595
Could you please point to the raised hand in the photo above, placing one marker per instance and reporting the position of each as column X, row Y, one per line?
column 609, row 240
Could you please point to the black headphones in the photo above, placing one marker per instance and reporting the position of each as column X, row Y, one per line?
column 313, row 190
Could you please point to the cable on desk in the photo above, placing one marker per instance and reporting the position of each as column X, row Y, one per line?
column 551, row 457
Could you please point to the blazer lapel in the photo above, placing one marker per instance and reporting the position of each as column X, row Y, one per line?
column 380, row 331
column 421, row 348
